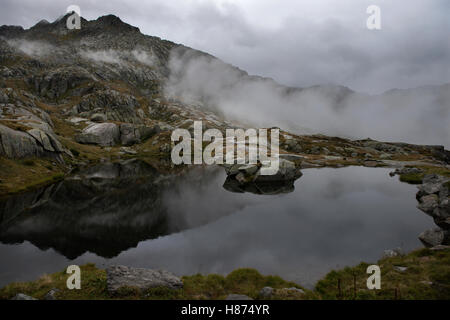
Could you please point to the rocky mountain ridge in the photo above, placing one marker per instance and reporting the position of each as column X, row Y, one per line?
column 74, row 97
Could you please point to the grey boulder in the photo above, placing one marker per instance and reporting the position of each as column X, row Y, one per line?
column 286, row 171
column 103, row 134
column 48, row 141
column 51, row 295
column 266, row 292
column 21, row 296
column 122, row 276
column 98, row 117
column 17, row 144
column 434, row 237
column 131, row 134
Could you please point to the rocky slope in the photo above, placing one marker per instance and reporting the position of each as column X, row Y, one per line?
column 75, row 97
column 103, row 85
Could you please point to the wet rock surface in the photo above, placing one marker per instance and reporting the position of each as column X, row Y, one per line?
column 434, row 199
column 249, row 178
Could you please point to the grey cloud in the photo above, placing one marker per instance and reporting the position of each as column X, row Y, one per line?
column 298, row 43
column 416, row 116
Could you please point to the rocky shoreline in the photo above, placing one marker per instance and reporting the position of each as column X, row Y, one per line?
column 421, row 274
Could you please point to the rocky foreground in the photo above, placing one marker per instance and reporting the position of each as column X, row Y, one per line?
column 422, row 274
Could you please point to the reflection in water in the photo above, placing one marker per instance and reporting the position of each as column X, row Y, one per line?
column 104, row 209
column 131, row 214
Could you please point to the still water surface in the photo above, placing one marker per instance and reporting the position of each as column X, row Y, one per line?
column 133, row 215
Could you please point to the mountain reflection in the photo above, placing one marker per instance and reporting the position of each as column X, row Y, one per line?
column 104, row 209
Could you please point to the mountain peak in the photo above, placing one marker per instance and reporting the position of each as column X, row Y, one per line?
column 113, row 21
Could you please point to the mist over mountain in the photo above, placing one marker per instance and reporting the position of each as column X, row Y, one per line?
column 107, row 49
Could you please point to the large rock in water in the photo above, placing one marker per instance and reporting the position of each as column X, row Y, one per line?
column 103, row 134
column 287, row 171
column 248, row 178
column 434, row 199
column 122, row 276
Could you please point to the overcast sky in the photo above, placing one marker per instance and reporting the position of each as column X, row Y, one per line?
column 296, row 42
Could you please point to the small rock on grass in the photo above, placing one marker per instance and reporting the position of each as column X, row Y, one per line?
column 266, row 292
column 21, row 296
column 400, row 269
column 238, row 297
column 51, row 295
column 392, row 253
column 122, row 276
column 128, row 150
column 294, row 290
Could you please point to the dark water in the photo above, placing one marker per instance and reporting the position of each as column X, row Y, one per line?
column 132, row 214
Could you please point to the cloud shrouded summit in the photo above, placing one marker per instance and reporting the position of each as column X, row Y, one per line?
column 297, row 43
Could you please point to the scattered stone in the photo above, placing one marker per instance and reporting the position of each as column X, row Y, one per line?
column 292, row 145
column 405, row 170
column 122, row 276
column 431, row 183
column 266, row 292
column 392, row 253
column 440, row 247
column 165, row 148
column 131, row 134
column 128, row 150
column 238, row 297
column 434, row 199
column 98, row 117
column 315, row 150
column 400, row 269
column 428, row 203
column 433, row 237
column 332, row 158
column 291, row 157
column 294, row 290
column 77, row 120
column 21, row 296
column 51, row 295
column 372, row 163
